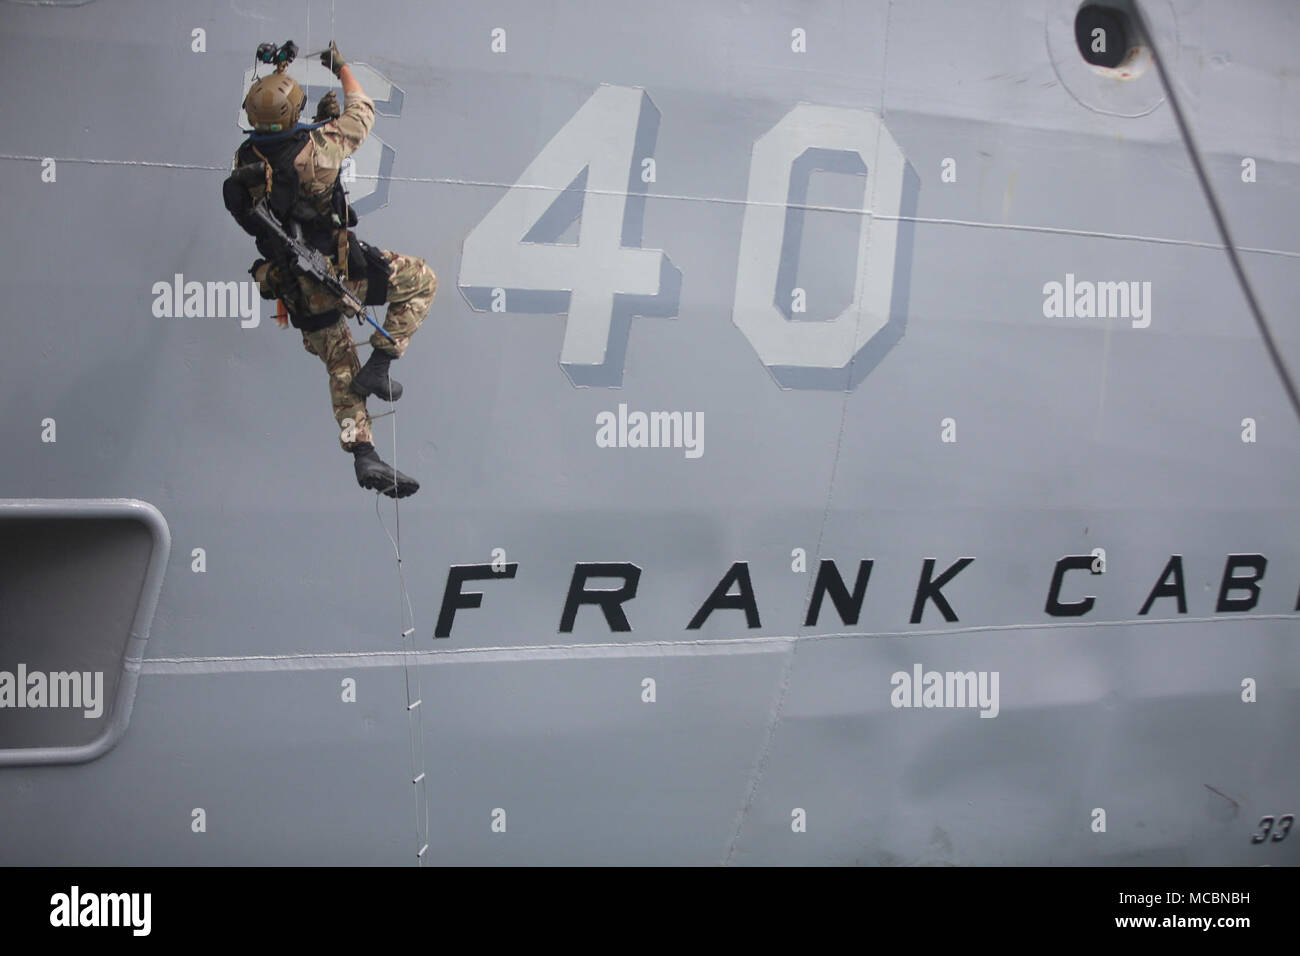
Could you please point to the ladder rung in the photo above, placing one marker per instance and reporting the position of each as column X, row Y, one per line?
column 415, row 705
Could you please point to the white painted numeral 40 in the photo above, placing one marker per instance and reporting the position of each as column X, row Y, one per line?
column 521, row 257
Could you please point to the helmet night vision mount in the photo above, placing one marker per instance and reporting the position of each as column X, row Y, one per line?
column 279, row 56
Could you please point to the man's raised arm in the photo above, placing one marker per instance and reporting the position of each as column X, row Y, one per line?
column 350, row 129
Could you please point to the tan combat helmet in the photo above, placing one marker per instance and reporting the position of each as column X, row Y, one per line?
column 273, row 103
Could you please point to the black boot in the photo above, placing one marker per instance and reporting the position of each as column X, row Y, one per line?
column 373, row 379
column 375, row 474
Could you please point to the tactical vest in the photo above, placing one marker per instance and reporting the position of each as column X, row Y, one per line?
column 321, row 219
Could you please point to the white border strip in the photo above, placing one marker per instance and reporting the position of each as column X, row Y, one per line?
column 772, row 644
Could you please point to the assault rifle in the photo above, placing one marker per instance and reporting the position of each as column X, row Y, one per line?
column 308, row 261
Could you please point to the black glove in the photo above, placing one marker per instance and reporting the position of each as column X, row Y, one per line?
column 332, row 60
column 327, row 108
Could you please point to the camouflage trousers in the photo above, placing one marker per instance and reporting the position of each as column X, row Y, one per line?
column 411, row 288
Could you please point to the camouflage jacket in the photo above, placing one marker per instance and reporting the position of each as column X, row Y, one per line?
column 318, row 165
column 320, row 161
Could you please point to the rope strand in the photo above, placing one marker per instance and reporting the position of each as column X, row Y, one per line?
column 414, row 698
column 414, row 695
column 1220, row 221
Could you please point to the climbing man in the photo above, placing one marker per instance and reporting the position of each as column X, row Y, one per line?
column 301, row 185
